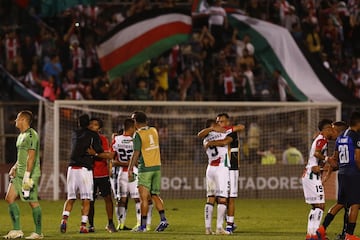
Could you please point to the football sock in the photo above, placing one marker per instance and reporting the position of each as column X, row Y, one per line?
column 221, row 210
column 346, row 218
column 149, row 214
column 37, row 216
column 230, row 220
column 84, row 220
column 208, row 212
column 66, row 215
column 162, row 215
column 350, row 228
column 117, row 212
column 143, row 221
column 122, row 215
column 310, row 222
column 91, row 213
column 317, row 219
column 328, row 219
column 15, row 215
column 138, row 213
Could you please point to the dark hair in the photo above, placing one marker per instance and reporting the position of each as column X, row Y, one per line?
column 84, row 121
column 128, row 123
column 101, row 123
column 140, row 117
column 355, row 118
column 223, row 115
column 340, row 124
column 323, row 123
column 28, row 115
column 209, row 122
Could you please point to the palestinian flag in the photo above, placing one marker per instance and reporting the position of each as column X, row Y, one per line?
column 142, row 37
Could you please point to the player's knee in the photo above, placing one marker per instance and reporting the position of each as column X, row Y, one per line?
column 222, row 201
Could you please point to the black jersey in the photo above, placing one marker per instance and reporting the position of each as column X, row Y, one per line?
column 234, row 151
column 81, row 140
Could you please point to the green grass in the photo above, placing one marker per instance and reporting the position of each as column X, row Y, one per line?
column 256, row 219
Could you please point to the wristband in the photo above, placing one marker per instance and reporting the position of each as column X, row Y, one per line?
column 326, row 159
column 96, row 154
column 27, row 175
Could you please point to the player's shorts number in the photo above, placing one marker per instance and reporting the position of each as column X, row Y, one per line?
column 344, row 154
column 319, row 189
column 215, row 151
column 125, row 155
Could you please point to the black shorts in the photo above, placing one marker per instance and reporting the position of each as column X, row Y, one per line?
column 348, row 189
column 102, row 186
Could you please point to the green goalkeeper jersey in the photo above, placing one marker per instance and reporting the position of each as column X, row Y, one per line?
column 28, row 140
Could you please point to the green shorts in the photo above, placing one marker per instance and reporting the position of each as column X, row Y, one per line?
column 17, row 182
column 151, row 180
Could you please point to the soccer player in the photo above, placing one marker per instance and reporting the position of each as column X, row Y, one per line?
column 147, row 156
column 217, row 176
column 311, row 179
column 123, row 147
column 101, row 180
column 223, row 120
column 25, row 175
column 347, row 154
column 339, row 127
column 79, row 175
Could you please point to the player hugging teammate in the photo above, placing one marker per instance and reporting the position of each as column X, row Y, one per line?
column 219, row 140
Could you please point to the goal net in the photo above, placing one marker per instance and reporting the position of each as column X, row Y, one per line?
column 269, row 128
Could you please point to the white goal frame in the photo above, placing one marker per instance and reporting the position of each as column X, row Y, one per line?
column 62, row 103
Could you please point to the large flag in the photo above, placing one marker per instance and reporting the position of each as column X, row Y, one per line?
column 51, row 8
column 142, row 37
column 276, row 49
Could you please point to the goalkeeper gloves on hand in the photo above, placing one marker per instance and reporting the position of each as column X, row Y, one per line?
column 27, row 182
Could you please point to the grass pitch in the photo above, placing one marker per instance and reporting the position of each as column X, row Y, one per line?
column 256, row 219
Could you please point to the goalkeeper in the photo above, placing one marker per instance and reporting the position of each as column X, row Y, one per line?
column 25, row 175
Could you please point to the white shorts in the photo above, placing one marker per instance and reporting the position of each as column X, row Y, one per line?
column 125, row 187
column 234, row 183
column 313, row 189
column 217, row 181
column 79, row 179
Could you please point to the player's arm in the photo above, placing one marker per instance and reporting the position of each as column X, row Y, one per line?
column 107, row 155
column 119, row 163
column 12, row 172
column 203, row 133
column 219, row 143
column 357, row 157
column 238, row 128
column 321, row 158
column 135, row 157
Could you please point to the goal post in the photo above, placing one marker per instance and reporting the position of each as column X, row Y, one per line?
column 183, row 158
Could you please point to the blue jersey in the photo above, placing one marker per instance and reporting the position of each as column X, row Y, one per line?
column 346, row 144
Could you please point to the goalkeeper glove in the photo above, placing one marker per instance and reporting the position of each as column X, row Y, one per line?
column 27, row 182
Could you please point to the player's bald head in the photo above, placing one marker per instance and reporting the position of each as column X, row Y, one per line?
column 27, row 115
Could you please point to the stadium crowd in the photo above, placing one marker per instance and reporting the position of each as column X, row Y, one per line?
column 56, row 56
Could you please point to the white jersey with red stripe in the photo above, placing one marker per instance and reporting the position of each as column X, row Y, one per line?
column 217, row 156
column 320, row 143
column 124, row 147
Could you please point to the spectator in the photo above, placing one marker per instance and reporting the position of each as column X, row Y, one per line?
column 142, row 91
column 51, row 91
column 282, row 85
column 228, row 80
column 32, row 79
column 291, row 18
column 267, row 157
column 77, row 57
column 118, row 89
column 292, row 155
column 217, row 23
column 161, row 73
column 253, row 143
column 53, row 68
